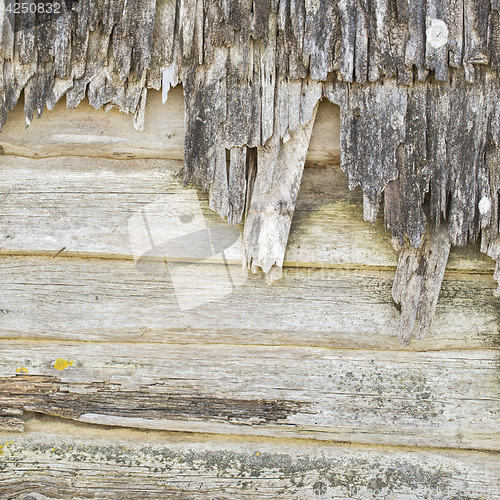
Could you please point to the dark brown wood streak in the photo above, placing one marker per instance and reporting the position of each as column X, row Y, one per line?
column 416, row 80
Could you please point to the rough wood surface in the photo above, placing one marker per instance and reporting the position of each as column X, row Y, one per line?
column 84, row 205
column 250, row 81
column 410, row 399
column 252, row 73
column 86, row 131
column 249, row 77
column 279, row 169
column 113, row 300
column 418, row 280
column 112, row 464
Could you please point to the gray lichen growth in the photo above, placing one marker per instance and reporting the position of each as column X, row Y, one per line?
column 280, row 475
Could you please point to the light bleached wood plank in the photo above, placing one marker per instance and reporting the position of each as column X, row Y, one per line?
column 87, row 206
column 85, row 131
column 445, row 399
column 115, row 300
column 59, row 460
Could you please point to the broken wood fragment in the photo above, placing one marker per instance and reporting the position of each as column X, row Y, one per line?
column 418, row 281
column 272, row 203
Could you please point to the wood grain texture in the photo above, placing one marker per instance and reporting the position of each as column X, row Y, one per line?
column 86, row 131
column 247, row 80
column 418, row 281
column 278, row 175
column 116, row 300
column 85, row 206
column 56, row 460
column 448, row 399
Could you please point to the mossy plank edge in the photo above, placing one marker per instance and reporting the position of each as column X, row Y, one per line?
column 58, row 461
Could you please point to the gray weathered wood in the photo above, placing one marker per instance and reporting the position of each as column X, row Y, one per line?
column 56, row 458
column 446, row 399
column 114, row 300
column 418, row 281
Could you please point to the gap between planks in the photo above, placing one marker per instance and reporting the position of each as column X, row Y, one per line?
column 63, row 254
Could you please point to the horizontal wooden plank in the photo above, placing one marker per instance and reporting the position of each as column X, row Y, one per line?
column 57, row 460
column 115, row 300
column 100, row 207
column 85, row 131
column 445, row 399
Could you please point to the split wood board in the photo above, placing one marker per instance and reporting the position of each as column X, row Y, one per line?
column 107, row 464
column 447, row 399
column 100, row 208
column 117, row 300
column 85, row 131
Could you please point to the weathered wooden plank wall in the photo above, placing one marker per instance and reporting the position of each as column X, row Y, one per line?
column 93, row 338
column 417, row 85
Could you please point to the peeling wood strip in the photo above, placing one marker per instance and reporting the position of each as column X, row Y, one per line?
column 365, row 134
column 347, row 17
column 237, row 184
column 475, row 36
column 494, row 38
column 415, row 48
column 438, row 43
column 274, row 194
column 117, row 78
column 418, row 281
column 362, row 397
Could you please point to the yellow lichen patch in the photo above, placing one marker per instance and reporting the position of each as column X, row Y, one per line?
column 2, row 446
column 21, row 369
column 61, row 364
